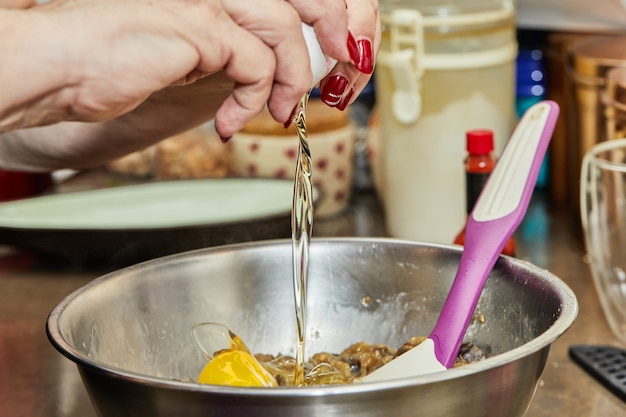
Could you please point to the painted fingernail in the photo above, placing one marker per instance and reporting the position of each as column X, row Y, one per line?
column 333, row 90
column 365, row 64
column 344, row 103
column 290, row 120
column 353, row 49
column 225, row 139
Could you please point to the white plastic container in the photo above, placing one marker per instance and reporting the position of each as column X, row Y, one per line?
column 443, row 68
column 572, row 15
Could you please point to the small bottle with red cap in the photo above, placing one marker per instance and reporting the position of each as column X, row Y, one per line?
column 479, row 164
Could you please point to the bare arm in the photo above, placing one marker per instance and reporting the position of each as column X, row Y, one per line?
column 92, row 60
column 81, row 145
column 33, row 71
column 131, row 68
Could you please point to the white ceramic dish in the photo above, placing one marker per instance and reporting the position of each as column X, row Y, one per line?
column 136, row 222
column 152, row 205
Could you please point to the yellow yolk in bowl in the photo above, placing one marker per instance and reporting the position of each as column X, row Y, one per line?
column 236, row 368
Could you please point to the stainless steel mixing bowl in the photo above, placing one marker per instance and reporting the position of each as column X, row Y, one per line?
column 129, row 331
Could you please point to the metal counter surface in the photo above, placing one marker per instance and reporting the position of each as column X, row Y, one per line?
column 37, row 381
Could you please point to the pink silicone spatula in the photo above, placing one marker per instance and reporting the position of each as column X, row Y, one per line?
column 497, row 213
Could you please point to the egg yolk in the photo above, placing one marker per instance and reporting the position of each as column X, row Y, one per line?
column 236, row 368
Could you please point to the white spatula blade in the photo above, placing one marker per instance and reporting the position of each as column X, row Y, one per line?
column 421, row 357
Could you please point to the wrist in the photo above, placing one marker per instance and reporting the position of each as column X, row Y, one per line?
column 34, row 70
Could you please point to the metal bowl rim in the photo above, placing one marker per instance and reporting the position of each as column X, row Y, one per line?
column 568, row 313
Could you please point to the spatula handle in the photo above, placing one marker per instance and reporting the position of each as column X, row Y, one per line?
column 499, row 210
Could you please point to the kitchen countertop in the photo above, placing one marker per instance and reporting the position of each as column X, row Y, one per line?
column 37, row 381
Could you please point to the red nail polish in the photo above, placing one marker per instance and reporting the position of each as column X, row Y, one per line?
column 333, row 90
column 353, row 49
column 290, row 120
column 344, row 103
column 365, row 63
column 225, row 139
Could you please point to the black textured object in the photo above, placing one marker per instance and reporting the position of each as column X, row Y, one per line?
column 607, row 364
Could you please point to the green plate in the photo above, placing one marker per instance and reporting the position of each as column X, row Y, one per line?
column 136, row 222
column 153, row 205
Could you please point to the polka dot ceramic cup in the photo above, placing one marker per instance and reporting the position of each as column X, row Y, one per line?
column 266, row 149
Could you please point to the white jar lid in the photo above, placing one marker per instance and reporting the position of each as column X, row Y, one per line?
column 452, row 14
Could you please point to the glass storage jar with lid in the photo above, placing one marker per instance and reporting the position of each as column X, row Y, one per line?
column 614, row 98
column 589, row 61
column 444, row 67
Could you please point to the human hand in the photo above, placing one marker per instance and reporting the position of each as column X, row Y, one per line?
column 356, row 61
column 90, row 60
